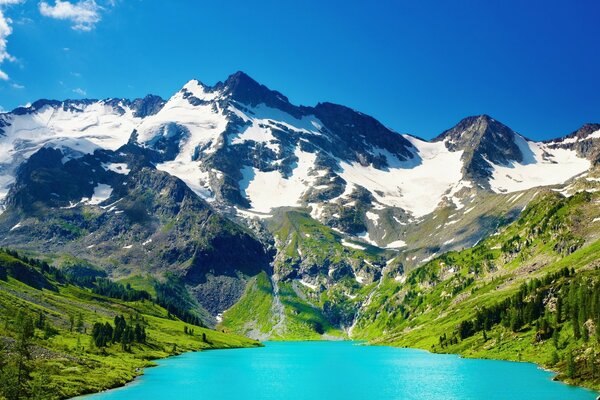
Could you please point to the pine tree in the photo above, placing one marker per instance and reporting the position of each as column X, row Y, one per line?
column 79, row 324
column 553, row 358
column 559, row 307
column 571, row 368
column 575, row 322
column 21, row 373
column 585, row 334
column 555, row 338
column 38, row 385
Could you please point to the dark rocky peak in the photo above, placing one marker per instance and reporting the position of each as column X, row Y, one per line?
column 484, row 136
column 359, row 131
column 143, row 107
column 149, row 105
column 67, row 105
column 4, row 122
column 243, row 89
column 582, row 142
column 45, row 179
column 580, row 134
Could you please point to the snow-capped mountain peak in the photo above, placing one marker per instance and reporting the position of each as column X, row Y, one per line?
column 246, row 148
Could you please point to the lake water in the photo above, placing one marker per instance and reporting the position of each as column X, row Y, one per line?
column 340, row 370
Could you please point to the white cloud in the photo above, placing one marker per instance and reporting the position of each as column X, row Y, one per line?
column 80, row 91
column 5, row 31
column 84, row 15
column 17, row 86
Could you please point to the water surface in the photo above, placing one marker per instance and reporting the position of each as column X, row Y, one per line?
column 340, row 370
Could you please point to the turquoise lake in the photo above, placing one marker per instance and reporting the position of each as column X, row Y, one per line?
column 340, row 370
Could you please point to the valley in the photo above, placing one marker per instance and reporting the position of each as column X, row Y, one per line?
column 229, row 212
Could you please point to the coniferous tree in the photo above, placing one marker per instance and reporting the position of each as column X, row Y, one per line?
column 17, row 373
column 571, row 369
column 79, row 323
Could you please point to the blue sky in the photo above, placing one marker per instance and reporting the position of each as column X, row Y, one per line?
column 417, row 66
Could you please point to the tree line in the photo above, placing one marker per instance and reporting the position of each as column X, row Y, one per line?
column 104, row 334
column 549, row 306
column 115, row 290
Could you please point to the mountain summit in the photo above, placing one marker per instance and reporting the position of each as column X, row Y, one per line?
column 484, row 141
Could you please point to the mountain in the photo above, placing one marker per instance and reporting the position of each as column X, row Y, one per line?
column 585, row 141
column 117, row 210
column 497, row 158
column 320, row 204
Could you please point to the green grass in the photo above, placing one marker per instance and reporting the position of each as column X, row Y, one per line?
column 253, row 312
column 74, row 366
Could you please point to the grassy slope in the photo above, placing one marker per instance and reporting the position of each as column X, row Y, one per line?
column 436, row 297
column 74, row 366
column 252, row 314
column 256, row 316
column 311, row 250
column 450, row 229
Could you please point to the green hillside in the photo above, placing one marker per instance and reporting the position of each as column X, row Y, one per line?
column 531, row 292
column 60, row 337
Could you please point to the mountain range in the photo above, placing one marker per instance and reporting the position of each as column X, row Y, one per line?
column 280, row 221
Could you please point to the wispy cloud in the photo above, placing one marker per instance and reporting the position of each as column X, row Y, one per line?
column 80, row 91
column 5, row 31
column 17, row 86
column 84, row 15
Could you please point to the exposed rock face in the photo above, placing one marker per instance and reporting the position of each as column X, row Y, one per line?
column 482, row 140
column 146, row 221
column 585, row 141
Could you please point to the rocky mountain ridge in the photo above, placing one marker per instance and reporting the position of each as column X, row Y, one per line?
column 324, row 201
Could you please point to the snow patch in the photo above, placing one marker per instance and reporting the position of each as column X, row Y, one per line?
column 352, row 245
column 395, row 244
column 268, row 190
column 308, row 285
column 416, row 185
column 119, row 168
column 542, row 166
column 373, row 217
column 102, row 192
